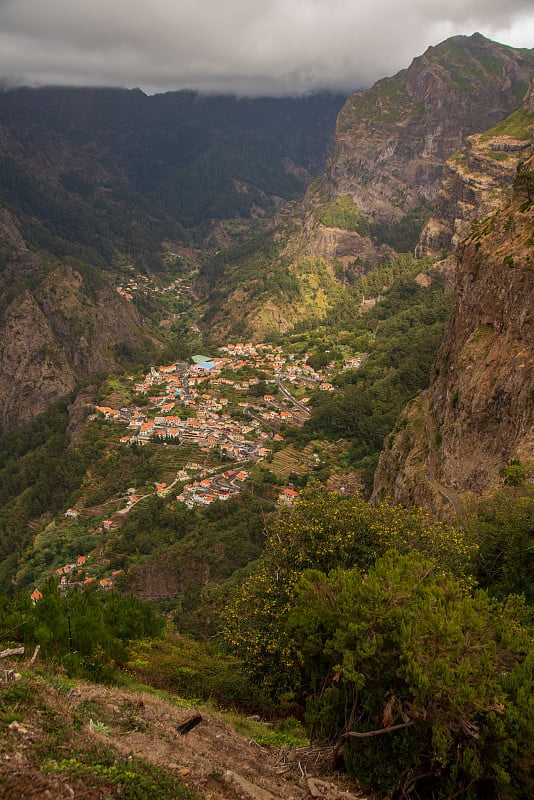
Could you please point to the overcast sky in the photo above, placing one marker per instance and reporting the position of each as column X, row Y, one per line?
column 242, row 46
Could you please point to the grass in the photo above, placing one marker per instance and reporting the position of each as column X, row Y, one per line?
column 288, row 732
column 64, row 746
column 498, row 155
column 343, row 213
column 128, row 778
column 196, row 671
column 518, row 125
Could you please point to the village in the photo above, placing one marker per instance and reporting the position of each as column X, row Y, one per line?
column 197, row 404
column 231, row 406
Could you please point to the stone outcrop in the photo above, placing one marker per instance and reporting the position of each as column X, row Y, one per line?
column 57, row 328
column 477, row 414
column 477, row 179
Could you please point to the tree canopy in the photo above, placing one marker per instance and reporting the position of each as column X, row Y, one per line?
column 425, row 684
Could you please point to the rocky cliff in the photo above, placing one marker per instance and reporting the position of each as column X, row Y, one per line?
column 477, row 179
column 383, row 178
column 392, row 140
column 60, row 324
column 478, row 413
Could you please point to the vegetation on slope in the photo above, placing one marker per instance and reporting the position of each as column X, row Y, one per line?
column 371, row 615
column 401, row 334
column 126, row 172
column 38, row 473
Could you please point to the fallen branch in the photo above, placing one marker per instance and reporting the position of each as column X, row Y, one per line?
column 17, row 651
column 35, row 654
column 382, row 730
column 188, row 724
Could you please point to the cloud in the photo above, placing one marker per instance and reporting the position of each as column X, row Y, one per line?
column 247, row 47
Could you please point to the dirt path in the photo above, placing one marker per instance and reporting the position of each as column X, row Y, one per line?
column 212, row 756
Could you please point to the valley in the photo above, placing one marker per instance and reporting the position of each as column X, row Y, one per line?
column 219, row 421
column 267, row 436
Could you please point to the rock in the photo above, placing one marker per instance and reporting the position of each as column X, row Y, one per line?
column 479, row 402
column 17, row 727
column 250, row 789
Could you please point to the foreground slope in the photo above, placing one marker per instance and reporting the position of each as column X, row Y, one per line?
column 93, row 741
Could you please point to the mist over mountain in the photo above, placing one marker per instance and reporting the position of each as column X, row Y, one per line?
column 111, row 169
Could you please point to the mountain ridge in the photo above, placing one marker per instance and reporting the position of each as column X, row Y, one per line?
column 390, row 148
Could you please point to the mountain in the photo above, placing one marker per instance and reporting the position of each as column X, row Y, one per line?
column 392, row 140
column 101, row 171
column 381, row 182
column 477, row 416
column 477, row 178
column 93, row 181
column 61, row 323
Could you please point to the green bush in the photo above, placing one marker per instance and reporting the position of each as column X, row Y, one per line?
column 343, row 213
column 429, row 687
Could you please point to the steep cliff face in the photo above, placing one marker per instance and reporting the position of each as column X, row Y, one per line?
column 384, row 175
column 58, row 326
column 477, row 179
column 478, row 413
column 392, row 141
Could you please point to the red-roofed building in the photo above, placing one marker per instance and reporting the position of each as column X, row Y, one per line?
column 287, row 496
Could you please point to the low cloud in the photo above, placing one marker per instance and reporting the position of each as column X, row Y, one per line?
column 272, row 47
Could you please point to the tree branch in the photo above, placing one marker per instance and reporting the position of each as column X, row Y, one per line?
column 382, row 730
column 18, row 651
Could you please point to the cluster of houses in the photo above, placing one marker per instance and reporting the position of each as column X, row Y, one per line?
column 208, row 488
column 207, row 430
column 141, row 283
column 134, row 284
column 206, row 424
column 74, row 574
column 186, row 403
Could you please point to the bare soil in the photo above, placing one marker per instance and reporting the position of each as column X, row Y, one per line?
column 211, row 759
